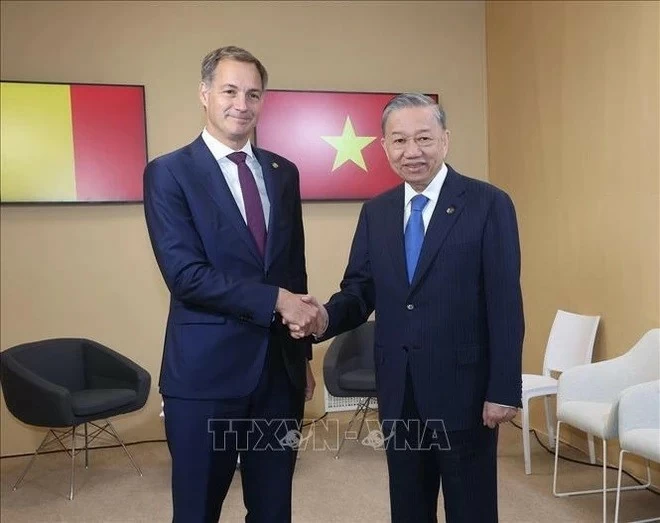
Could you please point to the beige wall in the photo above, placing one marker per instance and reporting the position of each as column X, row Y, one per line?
column 88, row 270
column 574, row 137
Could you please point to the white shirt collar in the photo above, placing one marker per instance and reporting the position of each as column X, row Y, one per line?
column 219, row 150
column 432, row 191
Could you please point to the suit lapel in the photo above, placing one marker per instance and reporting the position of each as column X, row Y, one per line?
column 447, row 210
column 394, row 233
column 274, row 190
column 212, row 177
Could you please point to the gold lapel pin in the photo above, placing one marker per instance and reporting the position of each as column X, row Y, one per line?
column 450, row 210
column 274, row 164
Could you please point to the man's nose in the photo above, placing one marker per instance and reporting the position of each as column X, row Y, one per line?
column 240, row 102
column 412, row 150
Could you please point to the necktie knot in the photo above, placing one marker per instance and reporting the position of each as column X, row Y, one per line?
column 238, row 157
column 418, row 202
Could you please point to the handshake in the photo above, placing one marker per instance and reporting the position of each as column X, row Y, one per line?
column 302, row 313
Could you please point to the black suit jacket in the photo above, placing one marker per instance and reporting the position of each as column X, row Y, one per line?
column 223, row 293
column 459, row 325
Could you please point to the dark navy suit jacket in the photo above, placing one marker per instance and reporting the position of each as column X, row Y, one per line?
column 223, row 293
column 459, row 325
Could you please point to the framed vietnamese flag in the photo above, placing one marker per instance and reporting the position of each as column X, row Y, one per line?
column 72, row 142
column 334, row 139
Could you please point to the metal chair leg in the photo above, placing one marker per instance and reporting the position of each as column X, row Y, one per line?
column 362, row 407
column 86, row 448
column 73, row 461
column 525, row 435
column 114, row 433
column 364, row 416
column 604, row 489
column 44, row 443
column 618, row 487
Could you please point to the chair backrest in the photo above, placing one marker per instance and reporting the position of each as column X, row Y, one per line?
column 362, row 339
column 643, row 359
column 58, row 361
column 350, row 351
column 571, row 341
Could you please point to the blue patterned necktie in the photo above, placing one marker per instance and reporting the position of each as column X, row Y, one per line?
column 254, row 212
column 414, row 234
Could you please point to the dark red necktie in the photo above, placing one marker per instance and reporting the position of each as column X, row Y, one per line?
column 254, row 212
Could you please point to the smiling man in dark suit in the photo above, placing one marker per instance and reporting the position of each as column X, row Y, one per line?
column 438, row 259
column 225, row 223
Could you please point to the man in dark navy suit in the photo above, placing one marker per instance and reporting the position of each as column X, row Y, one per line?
column 438, row 259
column 225, row 223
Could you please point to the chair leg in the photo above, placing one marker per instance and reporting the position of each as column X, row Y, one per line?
column 364, row 416
column 86, row 448
column 73, row 461
column 554, row 475
column 114, row 433
column 603, row 486
column 618, row 488
column 549, row 421
column 44, row 443
column 360, row 408
column 525, row 435
column 604, row 481
column 592, row 449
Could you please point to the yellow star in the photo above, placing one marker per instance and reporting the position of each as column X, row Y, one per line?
column 349, row 146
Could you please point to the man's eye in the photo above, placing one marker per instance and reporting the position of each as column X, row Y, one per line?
column 255, row 96
column 399, row 141
column 230, row 92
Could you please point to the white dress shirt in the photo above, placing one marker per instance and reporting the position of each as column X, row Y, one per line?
column 230, row 172
column 432, row 192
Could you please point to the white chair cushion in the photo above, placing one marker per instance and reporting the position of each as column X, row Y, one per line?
column 642, row 442
column 590, row 416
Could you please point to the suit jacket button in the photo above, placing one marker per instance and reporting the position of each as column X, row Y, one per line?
column 410, row 306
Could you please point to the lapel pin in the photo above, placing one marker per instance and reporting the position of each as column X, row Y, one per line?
column 451, row 209
column 274, row 164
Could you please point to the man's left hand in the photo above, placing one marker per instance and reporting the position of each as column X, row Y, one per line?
column 494, row 414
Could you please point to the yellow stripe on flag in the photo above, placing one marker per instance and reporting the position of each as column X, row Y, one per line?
column 37, row 162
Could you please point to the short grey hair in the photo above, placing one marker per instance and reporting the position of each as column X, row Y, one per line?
column 231, row 52
column 404, row 100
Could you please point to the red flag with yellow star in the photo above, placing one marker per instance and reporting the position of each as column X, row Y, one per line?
column 333, row 138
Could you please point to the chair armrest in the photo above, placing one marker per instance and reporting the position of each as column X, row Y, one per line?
column 106, row 368
column 32, row 399
column 598, row 382
column 639, row 407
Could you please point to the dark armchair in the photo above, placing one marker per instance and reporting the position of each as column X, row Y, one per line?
column 349, row 371
column 67, row 382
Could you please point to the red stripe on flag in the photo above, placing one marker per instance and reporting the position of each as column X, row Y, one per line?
column 108, row 142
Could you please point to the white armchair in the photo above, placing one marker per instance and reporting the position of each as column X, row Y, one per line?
column 588, row 398
column 639, row 428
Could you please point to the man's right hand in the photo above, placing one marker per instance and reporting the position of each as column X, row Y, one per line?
column 301, row 317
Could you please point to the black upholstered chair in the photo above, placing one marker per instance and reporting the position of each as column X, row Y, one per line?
column 349, row 371
column 67, row 382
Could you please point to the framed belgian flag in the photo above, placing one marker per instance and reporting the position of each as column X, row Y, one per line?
column 333, row 137
column 72, row 142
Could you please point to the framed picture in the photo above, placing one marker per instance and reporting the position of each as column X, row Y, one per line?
column 334, row 139
column 72, row 142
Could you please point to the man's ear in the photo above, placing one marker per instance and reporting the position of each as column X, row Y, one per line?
column 203, row 94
